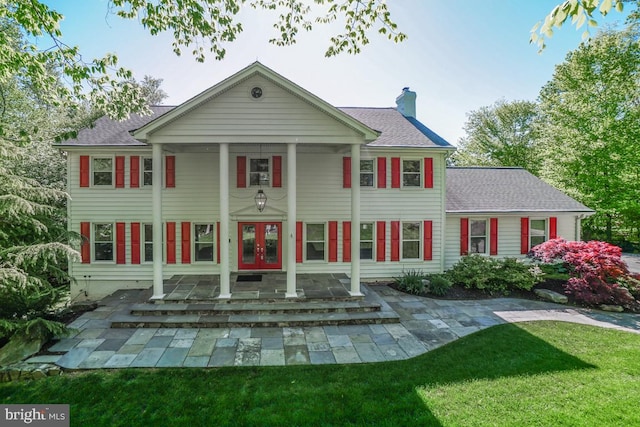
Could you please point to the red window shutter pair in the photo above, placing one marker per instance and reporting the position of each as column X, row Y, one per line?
column 186, row 243
column 299, row 241
column 382, row 172
column 241, row 171
column 346, row 241
column 395, row 240
column 85, row 248
column 381, row 232
column 333, row 241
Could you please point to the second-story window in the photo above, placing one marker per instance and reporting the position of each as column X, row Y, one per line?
column 102, row 171
column 411, row 173
column 366, row 173
column 259, row 172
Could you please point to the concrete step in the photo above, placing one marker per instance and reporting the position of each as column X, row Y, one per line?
column 176, row 309
column 254, row 320
column 244, row 298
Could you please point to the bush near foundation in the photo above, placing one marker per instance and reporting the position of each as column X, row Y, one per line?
column 494, row 276
column 598, row 273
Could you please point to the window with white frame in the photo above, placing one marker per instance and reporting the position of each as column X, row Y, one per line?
column 478, row 236
column 103, row 242
column 537, row 232
column 259, row 172
column 411, row 173
column 410, row 240
column 366, row 240
column 366, row 173
column 315, row 242
column 147, row 237
column 203, row 242
column 147, row 171
column 102, row 168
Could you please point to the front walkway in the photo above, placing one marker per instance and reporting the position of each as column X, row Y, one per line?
column 425, row 325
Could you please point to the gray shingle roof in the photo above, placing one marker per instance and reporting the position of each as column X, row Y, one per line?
column 480, row 189
column 396, row 129
column 107, row 132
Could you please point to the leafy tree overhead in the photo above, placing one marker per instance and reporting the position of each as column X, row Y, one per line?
column 502, row 134
column 590, row 130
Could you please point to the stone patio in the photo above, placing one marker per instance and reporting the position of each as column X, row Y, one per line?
column 425, row 324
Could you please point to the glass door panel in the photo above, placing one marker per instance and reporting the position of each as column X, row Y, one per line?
column 248, row 244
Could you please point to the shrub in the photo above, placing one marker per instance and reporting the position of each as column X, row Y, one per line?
column 439, row 284
column 411, row 282
column 598, row 273
column 492, row 275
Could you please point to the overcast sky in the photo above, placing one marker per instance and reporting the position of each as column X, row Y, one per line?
column 460, row 55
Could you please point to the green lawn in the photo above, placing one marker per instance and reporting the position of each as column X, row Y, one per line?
column 536, row 374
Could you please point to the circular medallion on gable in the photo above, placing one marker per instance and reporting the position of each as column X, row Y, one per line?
column 256, row 92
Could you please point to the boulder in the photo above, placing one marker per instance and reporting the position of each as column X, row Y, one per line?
column 613, row 308
column 552, row 296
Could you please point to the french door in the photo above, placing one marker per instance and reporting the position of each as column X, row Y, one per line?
column 260, row 246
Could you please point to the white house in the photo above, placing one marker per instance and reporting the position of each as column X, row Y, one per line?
column 258, row 174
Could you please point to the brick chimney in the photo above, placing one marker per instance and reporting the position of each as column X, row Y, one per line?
column 406, row 103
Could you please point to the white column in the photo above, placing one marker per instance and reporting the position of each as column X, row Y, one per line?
column 158, row 248
column 355, row 221
column 291, row 220
column 225, row 273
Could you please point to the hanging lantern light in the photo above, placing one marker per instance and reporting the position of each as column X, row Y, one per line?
column 261, row 200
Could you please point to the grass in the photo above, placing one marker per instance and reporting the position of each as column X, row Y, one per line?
column 534, row 374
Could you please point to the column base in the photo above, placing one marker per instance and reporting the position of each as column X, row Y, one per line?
column 157, row 297
column 224, row 296
column 288, row 295
column 356, row 294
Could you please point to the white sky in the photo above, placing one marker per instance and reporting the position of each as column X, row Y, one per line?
column 460, row 55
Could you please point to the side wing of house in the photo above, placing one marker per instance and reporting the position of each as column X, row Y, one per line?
column 504, row 212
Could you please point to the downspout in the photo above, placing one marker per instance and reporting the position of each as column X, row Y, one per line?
column 443, row 212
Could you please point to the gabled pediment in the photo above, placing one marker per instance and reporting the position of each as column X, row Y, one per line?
column 255, row 105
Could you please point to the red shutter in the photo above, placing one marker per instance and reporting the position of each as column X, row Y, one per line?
column 395, row 240
column 121, row 248
column 241, row 172
column 493, row 236
column 524, row 235
column 171, row 242
column 428, row 172
column 85, row 248
column 218, row 241
column 134, row 171
column 170, row 165
column 277, row 171
column 428, row 240
column 382, row 172
column 135, row 243
column 84, row 171
column 346, row 172
column 464, row 236
column 395, row 172
column 119, row 171
column 186, row 243
column 381, row 235
column 299, row 241
column 346, row 241
column 553, row 227
column 333, row 241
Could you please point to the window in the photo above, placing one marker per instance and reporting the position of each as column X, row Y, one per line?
column 366, row 173
column 410, row 240
column 315, row 242
column 411, row 173
column 203, row 242
column 148, row 242
column 478, row 236
column 147, row 171
column 102, row 171
column 259, row 172
column 103, row 242
column 537, row 232
column 366, row 240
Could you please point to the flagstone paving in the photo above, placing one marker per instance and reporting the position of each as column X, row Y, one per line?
column 425, row 324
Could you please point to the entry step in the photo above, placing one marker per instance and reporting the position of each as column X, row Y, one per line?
column 173, row 309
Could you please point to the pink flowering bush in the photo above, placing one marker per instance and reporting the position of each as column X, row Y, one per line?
column 599, row 275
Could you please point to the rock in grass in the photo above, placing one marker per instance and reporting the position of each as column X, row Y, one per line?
column 550, row 295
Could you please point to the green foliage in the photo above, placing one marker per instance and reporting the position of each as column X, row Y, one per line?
column 411, row 282
column 590, row 130
column 502, row 134
column 494, row 276
column 439, row 284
